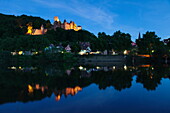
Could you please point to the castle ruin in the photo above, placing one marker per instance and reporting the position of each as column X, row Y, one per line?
column 57, row 24
column 65, row 25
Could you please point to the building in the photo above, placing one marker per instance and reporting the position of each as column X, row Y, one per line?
column 65, row 25
column 32, row 31
column 57, row 24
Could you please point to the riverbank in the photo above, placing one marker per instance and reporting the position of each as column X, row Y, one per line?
column 7, row 58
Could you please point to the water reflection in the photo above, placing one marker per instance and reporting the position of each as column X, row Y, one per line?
column 24, row 84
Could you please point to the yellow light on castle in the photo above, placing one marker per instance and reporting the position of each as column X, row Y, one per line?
column 56, row 19
column 29, row 30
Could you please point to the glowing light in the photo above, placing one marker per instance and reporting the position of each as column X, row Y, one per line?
column 20, row 67
column 97, row 52
column 13, row 68
column 29, row 30
column 77, row 88
column 82, row 52
column 114, row 67
column 73, row 91
column 125, row 67
column 153, row 51
column 30, row 89
column 98, row 67
column 81, row 68
column 125, row 52
column 145, row 66
column 145, row 55
column 37, row 86
column 151, row 77
column 67, row 91
column 113, row 53
column 56, row 19
column 57, row 98
column 34, row 53
column 20, row 52
column 14, row 53
column 42, row 89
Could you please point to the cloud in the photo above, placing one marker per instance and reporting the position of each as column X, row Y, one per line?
column 84, row 10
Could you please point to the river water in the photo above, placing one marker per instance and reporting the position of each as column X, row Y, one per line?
column 67, row 88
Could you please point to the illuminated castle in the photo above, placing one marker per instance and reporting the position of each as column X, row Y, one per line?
column 65, row 25
column 32, row 31
column 57, row 24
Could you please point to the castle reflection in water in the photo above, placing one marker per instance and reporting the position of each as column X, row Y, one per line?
column 24, row 84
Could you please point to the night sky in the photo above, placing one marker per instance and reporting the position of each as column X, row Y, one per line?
column 129, row 16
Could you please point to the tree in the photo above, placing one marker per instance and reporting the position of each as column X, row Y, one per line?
column 24, row 43
column 150, row 44
column 75, row 47
column 12, row 26
column 121, row 41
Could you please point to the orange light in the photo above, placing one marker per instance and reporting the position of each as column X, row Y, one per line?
column 37, row 86
column 145, row 55
column 145, row 66
column 42, row 89
column 30, row 89
column 77, row 88
column 57, row 98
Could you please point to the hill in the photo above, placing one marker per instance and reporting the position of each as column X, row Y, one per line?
column 11, row 26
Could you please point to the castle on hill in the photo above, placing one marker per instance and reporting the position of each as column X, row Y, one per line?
column 32, row 31
column 57, row 24
column 65, row 25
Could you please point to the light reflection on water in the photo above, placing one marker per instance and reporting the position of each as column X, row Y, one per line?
column 76, row 89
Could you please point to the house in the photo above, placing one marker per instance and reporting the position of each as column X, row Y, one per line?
column 68, row 49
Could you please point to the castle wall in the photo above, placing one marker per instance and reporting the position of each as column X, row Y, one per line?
column 39, row 32
column 66, row 25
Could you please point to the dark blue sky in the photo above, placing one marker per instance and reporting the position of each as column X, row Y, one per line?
column 130, row 16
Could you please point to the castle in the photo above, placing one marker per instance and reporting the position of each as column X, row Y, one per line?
column 65, row 25
column 32, row 31
column 57, row 24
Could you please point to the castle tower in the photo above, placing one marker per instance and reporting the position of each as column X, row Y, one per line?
column 42, row 29
column 75, row 26
column 65, row 25
column 71, row 25
column 56, row 19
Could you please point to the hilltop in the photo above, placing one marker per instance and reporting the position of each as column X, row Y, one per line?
column 11, row 25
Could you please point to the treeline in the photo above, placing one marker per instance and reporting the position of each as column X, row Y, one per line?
column 14, row 28
column 118, row 41
column 11, row 26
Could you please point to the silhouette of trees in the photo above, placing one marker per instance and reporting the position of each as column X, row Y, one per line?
column 151, row 44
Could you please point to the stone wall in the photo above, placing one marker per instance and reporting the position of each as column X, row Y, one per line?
column 102, row 58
